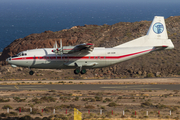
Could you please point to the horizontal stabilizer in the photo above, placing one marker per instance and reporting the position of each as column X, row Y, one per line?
column 156, row 48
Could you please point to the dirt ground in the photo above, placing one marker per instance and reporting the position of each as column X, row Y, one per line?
column 161, row 104
column 96, row 81
column 134, row 103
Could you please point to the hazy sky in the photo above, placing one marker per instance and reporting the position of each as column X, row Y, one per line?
column 87, row 1
column 19, row 18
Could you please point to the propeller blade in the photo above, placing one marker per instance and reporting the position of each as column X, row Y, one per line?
column 55, row 45
column 61, row 44
column 61, row 47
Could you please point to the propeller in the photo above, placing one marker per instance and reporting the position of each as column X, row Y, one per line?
column 58, row 50
column 61, row 48
column 55, row 45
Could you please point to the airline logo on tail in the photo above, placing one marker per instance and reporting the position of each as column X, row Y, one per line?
column 158, row 28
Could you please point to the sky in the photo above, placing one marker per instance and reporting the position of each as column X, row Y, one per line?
column 85, row 1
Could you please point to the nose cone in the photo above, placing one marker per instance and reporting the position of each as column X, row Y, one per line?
column 8, row 59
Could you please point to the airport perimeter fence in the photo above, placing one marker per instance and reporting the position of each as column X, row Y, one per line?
column 114, row 112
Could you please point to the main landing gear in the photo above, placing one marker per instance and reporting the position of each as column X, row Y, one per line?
column 77, row 71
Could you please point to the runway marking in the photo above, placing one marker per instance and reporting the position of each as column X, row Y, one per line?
column 129, row 87
column 32, row 87
column 16, row 87
column 6, row 88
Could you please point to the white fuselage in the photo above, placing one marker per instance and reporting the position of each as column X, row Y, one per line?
column 99, row 57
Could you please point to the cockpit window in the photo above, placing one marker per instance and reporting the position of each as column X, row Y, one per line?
column 20, row 54
column 14, row 56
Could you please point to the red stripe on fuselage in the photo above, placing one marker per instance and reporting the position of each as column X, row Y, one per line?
column 79, row 57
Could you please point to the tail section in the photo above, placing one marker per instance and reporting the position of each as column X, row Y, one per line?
column 157, row 29
column 155, row 37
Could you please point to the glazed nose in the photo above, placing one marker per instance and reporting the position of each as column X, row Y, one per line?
column 8, row 59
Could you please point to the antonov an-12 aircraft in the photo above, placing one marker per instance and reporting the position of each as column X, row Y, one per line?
column 86, row 56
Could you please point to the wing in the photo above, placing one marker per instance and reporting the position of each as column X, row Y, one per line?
column 85, row 47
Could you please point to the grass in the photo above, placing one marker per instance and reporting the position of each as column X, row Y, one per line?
column 108, row 99
column 7, row 106
column 98, row 98
column 146, row 103
column 89, row 107
column 19, row 99
column 76, row 98
column 44, row 99
column 4, row 100
column 23, row 109
column 112, row 104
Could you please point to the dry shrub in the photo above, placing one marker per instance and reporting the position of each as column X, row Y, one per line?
column 89, row 107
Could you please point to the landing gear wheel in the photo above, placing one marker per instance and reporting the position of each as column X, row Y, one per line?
column 83, row 71
column 76, row 71
column 31, row 72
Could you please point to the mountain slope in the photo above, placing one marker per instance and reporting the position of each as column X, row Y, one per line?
column 159, row 64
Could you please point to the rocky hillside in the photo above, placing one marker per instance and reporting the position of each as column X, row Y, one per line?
column 157, row 64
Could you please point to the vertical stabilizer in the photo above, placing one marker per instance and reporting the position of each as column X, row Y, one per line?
column 157, row 29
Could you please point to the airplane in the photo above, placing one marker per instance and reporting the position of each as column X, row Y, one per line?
column 86, row 56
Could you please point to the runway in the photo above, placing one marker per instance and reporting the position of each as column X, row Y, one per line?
column 89, row 87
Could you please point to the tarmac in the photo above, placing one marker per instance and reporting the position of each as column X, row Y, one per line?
column 94, row 84
column 89, row 87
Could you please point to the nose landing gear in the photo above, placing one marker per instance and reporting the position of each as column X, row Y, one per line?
column 31, row 72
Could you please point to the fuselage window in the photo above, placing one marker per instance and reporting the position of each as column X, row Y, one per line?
column 104, row 57
column 89, row 57
column 94, row 57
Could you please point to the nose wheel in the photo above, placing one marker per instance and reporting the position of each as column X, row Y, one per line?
column 31, row 72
